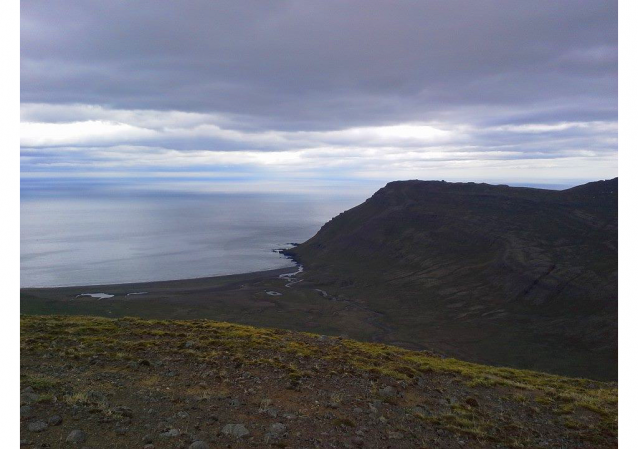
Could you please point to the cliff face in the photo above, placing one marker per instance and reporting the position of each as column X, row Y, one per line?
column 519, row 276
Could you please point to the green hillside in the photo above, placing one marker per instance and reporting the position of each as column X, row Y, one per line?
column 489, row 273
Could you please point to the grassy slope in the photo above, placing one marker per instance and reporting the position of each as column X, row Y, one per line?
column 500, row 275
column 105, row 375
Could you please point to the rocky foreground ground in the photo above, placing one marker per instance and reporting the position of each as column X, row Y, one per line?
column 127, row 383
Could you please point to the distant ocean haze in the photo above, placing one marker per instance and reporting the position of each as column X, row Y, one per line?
column 89, row 236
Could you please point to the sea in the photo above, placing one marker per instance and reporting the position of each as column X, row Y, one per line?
column 103, row 233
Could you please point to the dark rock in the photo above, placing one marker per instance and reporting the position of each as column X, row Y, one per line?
column 395, row 435
column 25, row 411
column 124, row 411
column 472, row 402
column 235, row 430
column 37, row 426
column 96, row 396
column 388, row 392
column 76, row 437
column 277, row 428
column 198, row 445
column 29, row 397
column 55, row 420
column 171, row 433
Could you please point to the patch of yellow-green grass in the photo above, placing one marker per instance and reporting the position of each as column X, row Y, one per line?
column 95, row 329
column 149, row 381
column 301, row 349
column 295, row 374
column 160, row 333
column 565, row 409
column 461, row 420
column 574, row 425
column 39, row 383
column 271, row 362
column 46, row 398
column 98, row 404
column 120, row 355
column 403, row 364
column 544, row 400
column 598, row 402
column 77, row 398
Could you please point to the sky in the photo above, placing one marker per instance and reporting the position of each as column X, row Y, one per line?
column 303, row 94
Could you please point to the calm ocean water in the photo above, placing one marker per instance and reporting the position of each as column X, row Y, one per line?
column 89, row 235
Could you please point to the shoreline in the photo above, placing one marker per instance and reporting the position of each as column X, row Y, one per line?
column 275, row 272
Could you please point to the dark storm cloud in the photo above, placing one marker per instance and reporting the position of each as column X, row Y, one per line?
column 320, row 65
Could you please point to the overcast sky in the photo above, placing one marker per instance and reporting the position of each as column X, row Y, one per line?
column 507, row 91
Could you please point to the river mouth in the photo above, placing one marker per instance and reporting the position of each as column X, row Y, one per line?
column 291, row 278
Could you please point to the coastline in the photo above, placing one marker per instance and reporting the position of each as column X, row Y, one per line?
column 195, row 280
column 153, row 285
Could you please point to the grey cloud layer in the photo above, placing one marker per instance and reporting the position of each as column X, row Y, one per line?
column 328, row 64
column 372, row 88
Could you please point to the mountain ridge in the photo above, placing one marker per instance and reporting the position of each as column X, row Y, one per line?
column 481, row 259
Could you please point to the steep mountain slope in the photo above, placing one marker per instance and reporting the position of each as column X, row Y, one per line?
column 125, row 383
column 495, row 274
